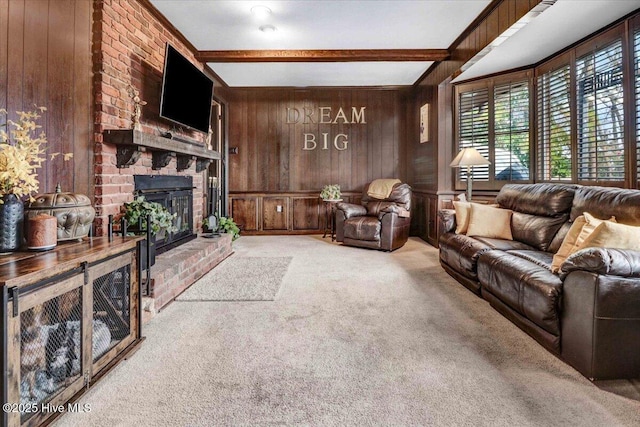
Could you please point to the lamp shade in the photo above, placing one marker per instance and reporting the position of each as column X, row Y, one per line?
column 469, row 157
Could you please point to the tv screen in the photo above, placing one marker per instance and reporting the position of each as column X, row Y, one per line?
column 186, row 92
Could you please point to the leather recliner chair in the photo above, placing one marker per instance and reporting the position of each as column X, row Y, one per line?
column 378, row 223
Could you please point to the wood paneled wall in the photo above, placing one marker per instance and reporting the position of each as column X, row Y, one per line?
column 45, row 59
column 430, row 162
column 271, row 155
column 429, row 172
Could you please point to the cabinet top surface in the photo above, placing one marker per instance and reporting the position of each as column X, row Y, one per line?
column 22, row 268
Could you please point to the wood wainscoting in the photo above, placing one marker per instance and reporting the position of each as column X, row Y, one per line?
column 300, row 212
column 296, row 212
column 424, row 216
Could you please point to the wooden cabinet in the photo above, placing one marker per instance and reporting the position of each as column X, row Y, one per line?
column 281, row 213
column 424, row 217
column 244, row 211
column 68, row 315
column 275, row 211
column 304, row 213
column 307, row 213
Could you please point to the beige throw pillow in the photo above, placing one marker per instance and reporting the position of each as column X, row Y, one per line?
column 568, row 243
column 487, row 221
column 613, row 235
column 462, row 216
column 588, row 228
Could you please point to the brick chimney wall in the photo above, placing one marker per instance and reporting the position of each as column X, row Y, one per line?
column 128, row 52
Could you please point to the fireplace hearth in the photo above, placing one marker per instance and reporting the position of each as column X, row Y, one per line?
column 176, row 194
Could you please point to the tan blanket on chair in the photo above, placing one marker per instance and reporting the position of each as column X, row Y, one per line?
column 381, row 188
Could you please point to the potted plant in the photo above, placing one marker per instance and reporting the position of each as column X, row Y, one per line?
column 21, row 154
column 330, row 192
column 160, row 219
column 221, row 224
column 227, row 225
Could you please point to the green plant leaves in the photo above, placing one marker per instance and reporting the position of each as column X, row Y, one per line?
column 161, row 218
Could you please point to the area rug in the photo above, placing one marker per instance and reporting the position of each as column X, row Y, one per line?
column 240, row 279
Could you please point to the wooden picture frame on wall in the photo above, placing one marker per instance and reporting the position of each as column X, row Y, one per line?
column 424, row 123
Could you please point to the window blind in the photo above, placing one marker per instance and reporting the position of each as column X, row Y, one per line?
column 600, row 115
column 473, row 129
column 554, row 125
column 511, row 130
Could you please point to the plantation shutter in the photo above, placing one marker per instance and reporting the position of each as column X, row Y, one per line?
column 511, row 130
column 600, row 115
column 554, row 125
column 473, row 129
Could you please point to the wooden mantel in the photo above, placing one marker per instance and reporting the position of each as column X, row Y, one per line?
column 132, row 143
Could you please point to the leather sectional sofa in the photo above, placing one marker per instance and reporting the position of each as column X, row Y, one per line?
column 588, row 313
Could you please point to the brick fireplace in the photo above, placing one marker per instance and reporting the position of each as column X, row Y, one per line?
column 129, row 47
column 128, row 60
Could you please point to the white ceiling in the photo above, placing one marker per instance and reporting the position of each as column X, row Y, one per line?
column 346, row 24
column 561, row 25
column 369, row 24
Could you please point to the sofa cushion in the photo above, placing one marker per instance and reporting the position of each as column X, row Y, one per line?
column 537, row 199
column 362, row 228
column 607, row 261
column 604, row 202
column 543, row 259
column 462, row 216
column 400, row 195
column 374, row 208
column 611, row 235
column 488, row 221
column 537, row 231
column 568, row 243
column 503, row 245
column 526, row 287
column 555, row 244
column 588, row 228
column 461, row 253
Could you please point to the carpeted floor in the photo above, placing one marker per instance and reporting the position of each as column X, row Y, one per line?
column 240, row 278
column 354, row 338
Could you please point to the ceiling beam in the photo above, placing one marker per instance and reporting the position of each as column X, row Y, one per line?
column 339, row 55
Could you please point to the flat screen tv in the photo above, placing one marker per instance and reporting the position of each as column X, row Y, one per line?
column 186, row 92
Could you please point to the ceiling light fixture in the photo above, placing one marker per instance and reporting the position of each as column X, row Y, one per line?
column 268, row 28
column 260, row 11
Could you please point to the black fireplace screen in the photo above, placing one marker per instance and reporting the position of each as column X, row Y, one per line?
column 176, row 194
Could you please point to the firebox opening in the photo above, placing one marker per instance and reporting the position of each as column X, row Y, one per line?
column 176, row 194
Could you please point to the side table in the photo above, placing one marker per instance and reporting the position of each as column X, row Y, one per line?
column 330, row 213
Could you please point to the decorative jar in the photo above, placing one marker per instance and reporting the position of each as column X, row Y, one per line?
column 73, row 212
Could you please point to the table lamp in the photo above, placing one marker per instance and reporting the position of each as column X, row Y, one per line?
column 469, row 157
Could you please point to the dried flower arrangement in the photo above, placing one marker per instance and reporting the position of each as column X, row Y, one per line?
column 22, row 153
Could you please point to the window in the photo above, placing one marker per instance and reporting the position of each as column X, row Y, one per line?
column 600, row 115
column 495, row 121
column 511, row 130
column 473, row 129
column 554, row 125
column 587, row 116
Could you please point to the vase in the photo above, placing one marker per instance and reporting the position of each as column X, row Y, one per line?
column 11, row 223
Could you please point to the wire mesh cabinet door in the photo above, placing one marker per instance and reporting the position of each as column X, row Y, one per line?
column 45, row 325
column 113, row 303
